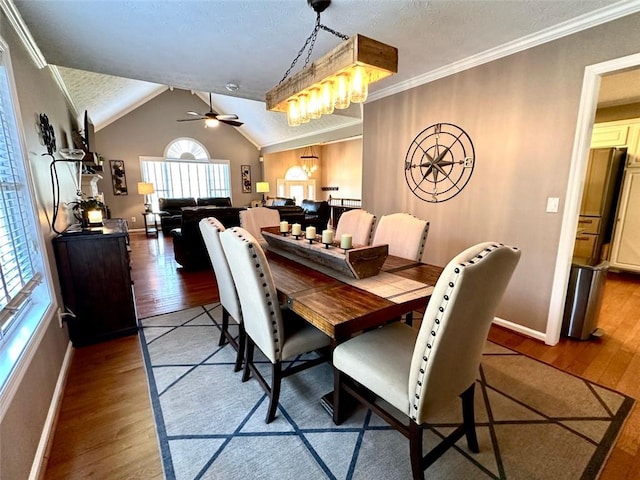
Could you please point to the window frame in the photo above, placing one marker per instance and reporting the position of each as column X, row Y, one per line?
column 21, row 341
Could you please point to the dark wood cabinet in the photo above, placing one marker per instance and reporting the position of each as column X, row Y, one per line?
column 95, row 277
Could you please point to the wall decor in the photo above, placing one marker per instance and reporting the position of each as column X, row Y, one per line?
column 47, row 134
column 118, row 177
column 245, row 171
column 439, row 162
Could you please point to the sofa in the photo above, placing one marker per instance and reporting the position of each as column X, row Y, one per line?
column 171, row 209
column 279, row 202
column 188, row 246
column 290, row 213
column 316, row 213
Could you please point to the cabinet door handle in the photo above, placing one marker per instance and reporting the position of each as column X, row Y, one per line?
column 585, row 221
column 582, row 238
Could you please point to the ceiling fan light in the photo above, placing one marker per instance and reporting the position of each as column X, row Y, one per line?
column 326, row 97
column 211, row 122
column 342, row 93
column 293, row 113
column 359, row 86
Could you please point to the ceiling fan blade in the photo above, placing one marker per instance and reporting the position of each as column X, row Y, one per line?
column 227, row 116
column 190, row 119
column 191, row 112
column 231, row 122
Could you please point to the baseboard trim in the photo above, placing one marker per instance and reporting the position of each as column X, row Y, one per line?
column 529, row 332
column 41, row 457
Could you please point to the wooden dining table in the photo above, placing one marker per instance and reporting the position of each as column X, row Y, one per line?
column 340, row 306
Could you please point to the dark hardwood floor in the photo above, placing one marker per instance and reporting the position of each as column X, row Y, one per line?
column 105, row 427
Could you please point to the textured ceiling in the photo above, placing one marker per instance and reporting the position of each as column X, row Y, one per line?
column 136, row 49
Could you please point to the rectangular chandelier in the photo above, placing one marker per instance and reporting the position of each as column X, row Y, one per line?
column 336, row 80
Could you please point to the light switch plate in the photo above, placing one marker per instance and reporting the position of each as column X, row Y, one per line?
column 553, row 204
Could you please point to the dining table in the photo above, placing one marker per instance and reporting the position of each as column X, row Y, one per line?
column 342, row 306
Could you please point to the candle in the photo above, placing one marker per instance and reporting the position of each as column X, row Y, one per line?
column 311, row 233
column 284, row 226
column 327, row 236
column 296, row 229
column 345, row 241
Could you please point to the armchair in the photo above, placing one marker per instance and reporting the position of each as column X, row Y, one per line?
column 171, row 212
column 420, row 373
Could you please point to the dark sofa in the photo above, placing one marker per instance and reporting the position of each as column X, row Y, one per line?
column 171, row 209
column 290, row 213
column 316, row 213
column 188, row 247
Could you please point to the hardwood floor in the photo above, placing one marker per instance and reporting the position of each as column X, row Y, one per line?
column 105, row 427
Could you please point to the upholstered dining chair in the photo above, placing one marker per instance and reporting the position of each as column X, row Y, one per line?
column 358, row 223
column 278, row 332
column 211, row 228
column 253, row 219
column 420, row 373
column 405, row 234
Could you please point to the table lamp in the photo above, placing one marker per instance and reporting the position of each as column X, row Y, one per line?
column 145, row 188
column 263, row 188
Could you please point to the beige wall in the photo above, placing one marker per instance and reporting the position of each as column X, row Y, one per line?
column 22, row 425
column 342, row 168
column 148, row 130
column 521, row 113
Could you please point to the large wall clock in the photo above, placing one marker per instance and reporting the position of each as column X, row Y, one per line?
column 439, row 162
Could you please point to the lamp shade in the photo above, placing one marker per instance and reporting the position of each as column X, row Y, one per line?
column 145, row 188
column 262, row 187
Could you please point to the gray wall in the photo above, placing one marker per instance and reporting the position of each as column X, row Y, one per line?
column 21, row 427
column 148, row 130
column 521, row 113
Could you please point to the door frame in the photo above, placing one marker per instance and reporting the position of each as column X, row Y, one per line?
column 577, row 171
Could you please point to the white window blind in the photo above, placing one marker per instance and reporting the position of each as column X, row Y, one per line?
column 17, row 273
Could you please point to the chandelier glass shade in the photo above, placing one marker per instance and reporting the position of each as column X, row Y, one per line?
column 334, row 81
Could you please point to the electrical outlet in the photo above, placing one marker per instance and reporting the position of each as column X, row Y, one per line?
column 133, row 219
column 553, row 204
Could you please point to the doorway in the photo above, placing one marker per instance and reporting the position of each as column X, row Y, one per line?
column 582, row 142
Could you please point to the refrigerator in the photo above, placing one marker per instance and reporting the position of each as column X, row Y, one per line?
column 599, row 202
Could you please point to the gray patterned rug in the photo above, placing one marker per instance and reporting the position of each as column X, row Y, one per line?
column 534, row 421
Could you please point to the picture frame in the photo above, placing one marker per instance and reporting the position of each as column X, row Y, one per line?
column 118, row 177
column 245, row 175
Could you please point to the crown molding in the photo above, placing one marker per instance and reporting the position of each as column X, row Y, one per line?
column 578, row 24
column 23, row 32
column 55, row 73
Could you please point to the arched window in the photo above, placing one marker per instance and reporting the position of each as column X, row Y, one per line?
column 186, row 171
column 296, row 184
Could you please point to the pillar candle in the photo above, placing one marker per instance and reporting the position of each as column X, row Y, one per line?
column 327, row 236
column 296, row 229
column 311, row 233
column 345, row 241
column 284, row 226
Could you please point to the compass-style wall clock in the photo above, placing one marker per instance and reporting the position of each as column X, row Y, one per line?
column 439, row 162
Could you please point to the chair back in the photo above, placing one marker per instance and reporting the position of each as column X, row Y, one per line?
column 455, row 326
column 211, row 228
column 358, row 223
column 405, row 234
column 254, row 219
column 258, row 297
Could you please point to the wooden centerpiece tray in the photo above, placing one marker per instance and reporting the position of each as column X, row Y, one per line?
column 358, row 262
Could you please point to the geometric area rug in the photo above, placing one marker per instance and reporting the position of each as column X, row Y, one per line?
column 533, row 420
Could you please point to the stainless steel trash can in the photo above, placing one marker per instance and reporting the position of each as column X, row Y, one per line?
column 584, row 297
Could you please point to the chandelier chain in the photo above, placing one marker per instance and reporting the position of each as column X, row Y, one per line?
column 311, row 40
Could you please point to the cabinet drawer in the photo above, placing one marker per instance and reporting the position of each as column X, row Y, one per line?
column 588, row 225
column 584, row 246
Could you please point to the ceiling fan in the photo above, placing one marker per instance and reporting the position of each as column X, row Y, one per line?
column 211, row 118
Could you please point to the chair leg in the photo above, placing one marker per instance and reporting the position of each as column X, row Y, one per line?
column 248, row 358
column 338, row 395
column 276, row 380
column 415, row 450
column 241, row 345
column 468, row 416
column 225, row 327
column 409, row 318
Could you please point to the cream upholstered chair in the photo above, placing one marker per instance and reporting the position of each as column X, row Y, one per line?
column 254, row 219
column 279, row 333
column 405, row 234
column 211, row 228
column 358, row 223
column 420, row 373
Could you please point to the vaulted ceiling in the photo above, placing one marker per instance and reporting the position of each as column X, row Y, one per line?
column 114, row 55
